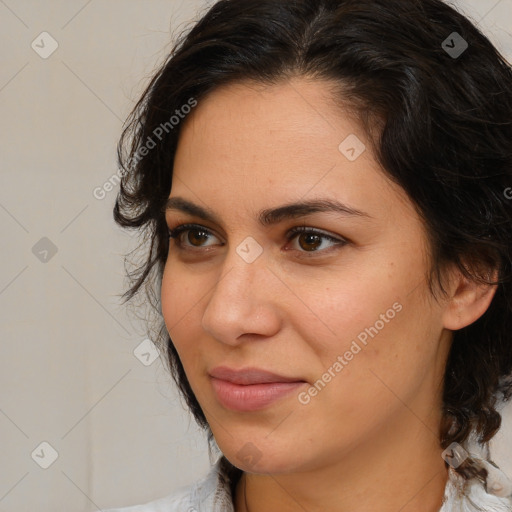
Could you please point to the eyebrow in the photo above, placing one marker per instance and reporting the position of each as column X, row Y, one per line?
column 269, row 216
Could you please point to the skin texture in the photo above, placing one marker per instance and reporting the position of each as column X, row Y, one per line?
column 369, row 439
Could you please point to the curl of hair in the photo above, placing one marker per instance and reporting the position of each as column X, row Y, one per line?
column 440, row 127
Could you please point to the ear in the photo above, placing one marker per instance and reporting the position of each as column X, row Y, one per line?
column 468, row 300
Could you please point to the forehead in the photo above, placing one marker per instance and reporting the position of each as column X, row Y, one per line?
column 248, row 125
column 257, row 145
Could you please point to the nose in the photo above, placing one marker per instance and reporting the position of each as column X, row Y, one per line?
column 243, row 301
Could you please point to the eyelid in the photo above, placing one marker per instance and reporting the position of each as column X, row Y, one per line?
column 338, row 240
column 181, row 228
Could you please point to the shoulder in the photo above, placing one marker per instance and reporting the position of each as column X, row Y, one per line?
column 490, row 489
column 211, row 493
column 463, row 495
column 171, row 503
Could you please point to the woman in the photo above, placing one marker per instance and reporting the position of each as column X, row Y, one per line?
column 325, row 187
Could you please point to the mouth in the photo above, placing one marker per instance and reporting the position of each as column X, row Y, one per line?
column 250, row 389
column 250, row 376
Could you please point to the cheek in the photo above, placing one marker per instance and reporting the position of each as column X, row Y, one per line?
column 362, row 304
column 177, row 299
column 181, row 317
column 386, row 348
column 167, row 295
column 181, row 290
column 379, row 325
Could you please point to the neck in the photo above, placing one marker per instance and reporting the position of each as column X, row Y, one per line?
column 400, row 469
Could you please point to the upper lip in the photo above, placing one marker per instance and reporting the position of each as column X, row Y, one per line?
column 249, row 376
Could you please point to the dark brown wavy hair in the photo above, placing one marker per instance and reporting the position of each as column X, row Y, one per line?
column 439, row 121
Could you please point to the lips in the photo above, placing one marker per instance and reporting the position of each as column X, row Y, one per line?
column 248, row 376
column 251, row 389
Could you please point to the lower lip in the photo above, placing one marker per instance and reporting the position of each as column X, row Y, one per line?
column 253, row 396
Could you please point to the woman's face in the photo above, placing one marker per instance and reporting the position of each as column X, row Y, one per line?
column 349, row 319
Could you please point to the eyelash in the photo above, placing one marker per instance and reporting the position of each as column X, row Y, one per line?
column 339, row 242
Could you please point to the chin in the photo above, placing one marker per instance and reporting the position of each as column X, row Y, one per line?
column 263, row 456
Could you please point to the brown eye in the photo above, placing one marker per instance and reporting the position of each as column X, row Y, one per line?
column 310, row 240
column 195, row 235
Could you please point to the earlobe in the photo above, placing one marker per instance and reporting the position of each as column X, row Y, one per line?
column 468, row 300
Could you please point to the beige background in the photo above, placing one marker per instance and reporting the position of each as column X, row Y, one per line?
column 68, row 374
